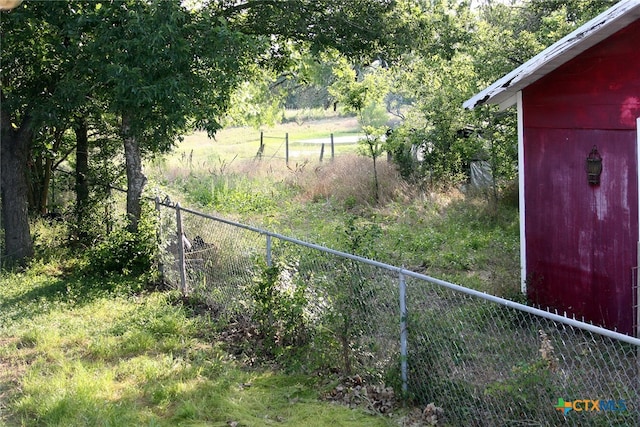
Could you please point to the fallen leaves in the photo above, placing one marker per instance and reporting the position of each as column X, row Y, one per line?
column 355, row 393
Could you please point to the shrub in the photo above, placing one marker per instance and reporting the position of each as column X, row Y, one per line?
column 353, row 295
column 123, row 252
column 280, row 301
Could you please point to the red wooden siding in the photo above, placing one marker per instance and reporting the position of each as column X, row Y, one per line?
column 580, row 239
column 599, row 89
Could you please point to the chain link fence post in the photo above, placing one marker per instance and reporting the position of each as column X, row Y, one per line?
column 403, row 332
column 269, row 262
column 181, row 260
column 159, row 239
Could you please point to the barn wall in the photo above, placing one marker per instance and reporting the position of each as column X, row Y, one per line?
column 581, row 239
column 600, row 89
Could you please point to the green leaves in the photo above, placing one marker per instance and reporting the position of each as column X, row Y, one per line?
column 280, row 301
column 455, row 52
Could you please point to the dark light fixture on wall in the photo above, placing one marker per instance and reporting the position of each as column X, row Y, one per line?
column 594, row 166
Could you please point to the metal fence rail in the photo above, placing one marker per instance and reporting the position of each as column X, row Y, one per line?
column 485, row 361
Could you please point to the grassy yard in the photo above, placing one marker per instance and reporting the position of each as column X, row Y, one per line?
column 80, row 350
column 462, row 237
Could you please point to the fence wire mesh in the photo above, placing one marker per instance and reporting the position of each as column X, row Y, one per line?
column 353, row 306
column 489, row 365
column 220, row 260
column 480, row 362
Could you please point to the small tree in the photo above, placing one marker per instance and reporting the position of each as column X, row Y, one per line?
column 364, row 95
column 351, row 290
column 372, row 147
column 280, row 300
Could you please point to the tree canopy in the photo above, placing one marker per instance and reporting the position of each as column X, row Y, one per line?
column 100, row 84
column 155, row 68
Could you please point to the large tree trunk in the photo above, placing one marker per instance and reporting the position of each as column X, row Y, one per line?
column 82, row 175
column 14, row 152
column 135, row 177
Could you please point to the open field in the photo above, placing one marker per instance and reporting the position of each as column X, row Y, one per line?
column 238, row 143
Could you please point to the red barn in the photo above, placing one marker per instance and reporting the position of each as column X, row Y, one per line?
column 577, row 100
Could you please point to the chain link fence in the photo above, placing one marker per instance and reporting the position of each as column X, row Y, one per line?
column 481, row 360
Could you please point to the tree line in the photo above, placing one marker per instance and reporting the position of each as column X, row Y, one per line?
column 101, row 85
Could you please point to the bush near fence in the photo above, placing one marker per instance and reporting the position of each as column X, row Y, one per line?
column 483, row 360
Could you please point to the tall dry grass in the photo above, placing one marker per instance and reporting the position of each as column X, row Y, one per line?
column 349, row 180
column 346, row 180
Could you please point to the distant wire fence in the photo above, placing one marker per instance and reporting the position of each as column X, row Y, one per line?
column 279, row 147
column 481, row 360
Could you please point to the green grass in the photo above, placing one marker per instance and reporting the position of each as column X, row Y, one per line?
column 80, row 351
column 462, row 238
column 198, row 152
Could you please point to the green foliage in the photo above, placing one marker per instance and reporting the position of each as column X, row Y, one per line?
column 333, row 309
column 350, row 312
column 359, row 237
column 255, row 104
column 401, row 143
column 354, row 27
column 169, row 68
column 523, row 385
column 50, row 239
column 459, row 53
column 361, row 91
column 307, row 86
column 233, row 193
column 82, row 350
column 351, row 293
column 124, row 252
column 365, row 96
column 435, row 125
column 280, row 300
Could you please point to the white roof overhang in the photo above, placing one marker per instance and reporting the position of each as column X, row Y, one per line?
column 503, row 91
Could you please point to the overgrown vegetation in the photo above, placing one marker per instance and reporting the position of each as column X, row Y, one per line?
column 279, row 303
column 81, row 349
column 338, row 312
column 87, row 338
column 453, row 232
column 315, row 327
column 126, row 253
column 445, row 233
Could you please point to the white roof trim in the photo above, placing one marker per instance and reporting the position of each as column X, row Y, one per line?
column 503, row 91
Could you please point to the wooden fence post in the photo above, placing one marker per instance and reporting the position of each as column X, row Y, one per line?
column 321, row 152
column 261, row 149
column 333, row 152
column 286, row 142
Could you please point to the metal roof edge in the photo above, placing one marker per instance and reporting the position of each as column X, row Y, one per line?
column 503, row 90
